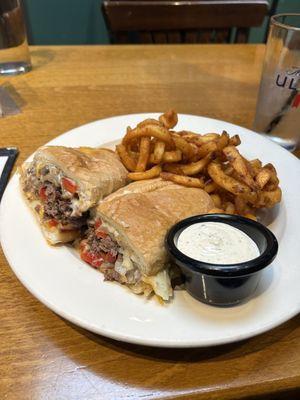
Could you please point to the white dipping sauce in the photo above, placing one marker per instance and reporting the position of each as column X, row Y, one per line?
column 217, row 243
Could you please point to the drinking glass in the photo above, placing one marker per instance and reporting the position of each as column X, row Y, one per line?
column 14, row 52
column 278, row 105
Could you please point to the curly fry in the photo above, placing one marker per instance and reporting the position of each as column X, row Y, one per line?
column 227, row 182
column 144, row 154
column 156, row 131
column 149, row 174
column 128, row 162
column 183, row 180
column 169, row 119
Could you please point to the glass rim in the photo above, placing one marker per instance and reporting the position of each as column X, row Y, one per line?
column 283, row 25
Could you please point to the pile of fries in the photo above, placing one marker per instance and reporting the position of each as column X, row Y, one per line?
column 211, row 162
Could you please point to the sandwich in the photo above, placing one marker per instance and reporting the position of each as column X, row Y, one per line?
column 126, row 233
column 61, row 184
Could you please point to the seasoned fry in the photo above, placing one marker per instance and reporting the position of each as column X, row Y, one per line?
column 225, row 181
column 207, row 148
column 238, row 163
column 183, row 180
column 185, row 147
column 268, row 199
column 217, row 200
column 128, row 162
column 229, row 208
column 149, row 174
column 169, row 119
column 196, row 167
column 172, row 156
column 151, row 130
column 144, row 154
column 207, row 137
column 158, row 152
column 134, row 155
column 273, row 179
column 222, row 141
column 263, row 177
column 234, row 140
column 168, row 157
column 240, row 204
column 210, row 187
column 148, row 121
column 256, row 166
column 173, row 168
column 210, row 161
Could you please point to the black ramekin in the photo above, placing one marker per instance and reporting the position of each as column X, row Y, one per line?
column 223, row 284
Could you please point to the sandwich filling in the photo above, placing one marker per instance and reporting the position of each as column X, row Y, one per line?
column 54, row 197
column 100, row 249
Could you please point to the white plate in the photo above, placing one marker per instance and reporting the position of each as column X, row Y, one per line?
column 72, row 289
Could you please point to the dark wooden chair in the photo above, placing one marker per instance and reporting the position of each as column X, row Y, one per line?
column 182, row 21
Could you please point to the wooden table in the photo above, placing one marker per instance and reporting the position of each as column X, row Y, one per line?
column 44, row 357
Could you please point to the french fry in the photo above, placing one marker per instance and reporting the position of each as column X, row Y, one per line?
column 227, row 182
column 148, row 121
column 263, row 177
column 158, row 152
column 144, row 154
column 217, row 200
column 183, row 180
column 207, row 148
column 273, row 179
column 196, row 167
column 172, row 156
column 153, row 172
column 210, row 187
column 240, row 204
column 229, row 208
column 151, row 130
column 268, row 199
column 234, row 140
column 222, row 141
column 256, row 166
column 210, row 161
column 169, row 119
column 184, row 146
column 240, row 166
column 128, row 162
column 173, row 168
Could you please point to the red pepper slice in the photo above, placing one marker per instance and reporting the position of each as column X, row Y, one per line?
column 42, row 193
column 93, row 259
column 98, row 223
column 101, row 234
column 69, row 185
column 52, row 222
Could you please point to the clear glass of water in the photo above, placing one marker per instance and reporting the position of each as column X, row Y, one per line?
column 278, row 105
column 14, row 52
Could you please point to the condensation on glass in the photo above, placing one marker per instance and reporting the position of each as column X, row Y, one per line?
column 14, row 52
column 278, row 105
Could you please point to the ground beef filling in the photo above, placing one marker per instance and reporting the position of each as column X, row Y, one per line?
column 57, row 208
column 100, row 251
column 60, row 209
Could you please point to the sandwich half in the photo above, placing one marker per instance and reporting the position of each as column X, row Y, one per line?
column 126, row 233
column 61, row 184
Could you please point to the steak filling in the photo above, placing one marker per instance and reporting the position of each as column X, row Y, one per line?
column 57, row 197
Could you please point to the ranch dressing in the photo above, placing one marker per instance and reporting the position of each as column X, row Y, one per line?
column 217, row 243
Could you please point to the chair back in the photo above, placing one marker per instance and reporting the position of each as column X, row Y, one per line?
column 182, row 21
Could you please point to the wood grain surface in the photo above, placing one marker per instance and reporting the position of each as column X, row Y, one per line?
column 45, row 357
